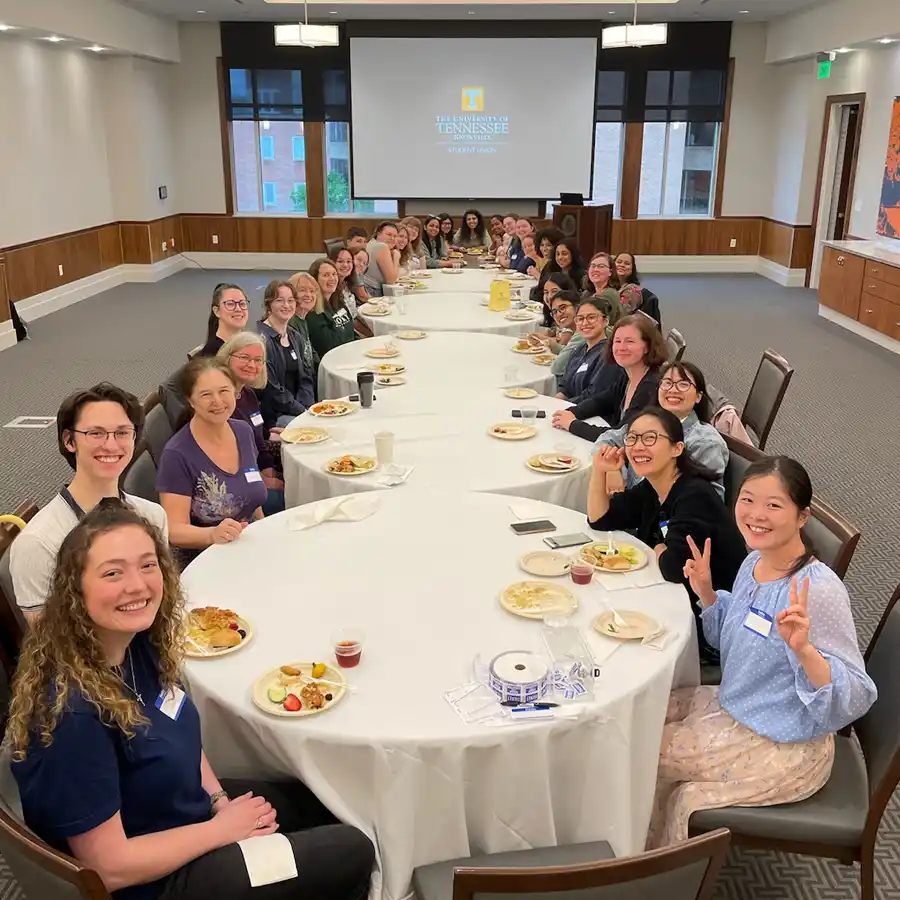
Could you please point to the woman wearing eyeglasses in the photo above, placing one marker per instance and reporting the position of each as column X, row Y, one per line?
column 290, row 388
column 682, row 391
column 586, row 370
column 600, row 283
column 245, row 353
column 227, row 316
column 674, row 500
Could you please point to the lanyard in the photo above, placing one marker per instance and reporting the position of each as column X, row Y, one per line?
column 72, row 503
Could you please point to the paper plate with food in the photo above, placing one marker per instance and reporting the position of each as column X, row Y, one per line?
column 300, row 689
column 211, row 631
column 375, row 309
column 476, row 251
column 519, row 315
column 525, row 345
column 332, row 408
column 535, row 599
column 389, row 369
column 520, row 393
column 389, row 380
column 553, row 463
column 455, row 254
column 351, row 464
column 636, row 627
column 624, row 558
column 490, row 267
column 514, row 276
column 411, row 335
column 544, row 359
column 546, row 563
column 304, row 435
column 385, row 352
column 512, row 431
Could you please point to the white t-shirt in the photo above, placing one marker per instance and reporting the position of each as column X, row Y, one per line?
column 32, row 557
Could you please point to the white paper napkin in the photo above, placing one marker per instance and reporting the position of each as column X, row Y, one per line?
column 338, row 509
column 525, row 510
column 602, row 648
column 643, row 578
column 394, row 474
column 658, row 640
column 268, row 859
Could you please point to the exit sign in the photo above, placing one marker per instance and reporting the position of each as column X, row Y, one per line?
column 825, row 69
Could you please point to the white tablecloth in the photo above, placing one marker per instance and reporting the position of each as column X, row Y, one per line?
column 471, row 279
column 459, row 311
column 421, row 576
column 443, row 361
column 445, row 436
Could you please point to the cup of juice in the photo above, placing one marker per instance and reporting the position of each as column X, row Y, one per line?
column 348, row 645
column 581, row 573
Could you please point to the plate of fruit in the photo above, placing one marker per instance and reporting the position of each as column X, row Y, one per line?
column 299, row 689
column 211, row 631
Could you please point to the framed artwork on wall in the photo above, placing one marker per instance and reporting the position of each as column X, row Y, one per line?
column 889, row 208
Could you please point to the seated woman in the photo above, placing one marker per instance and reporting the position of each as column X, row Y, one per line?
column 682, row 391
column 209, row 481
column 447, row 228
column 627, row 274
column 637, row 347
column 384, row 260
column 330, row 324
column 567, row 259
column 792, row 673
column 434, row 245
column 106, row 744
column 545, row 241
column 530, row 258
column 588, row 370
column 674, row 502
column 306, row 290
column 497, row 233
column 352, row 291
column 96, row 430
column 246, row 354
column 356, row 239
column 404, row 249
column 228, row 315
column 413, row 228
column 361, row 263
column 567, row 337
column 602, row 284
column 472, row 232
column 290, row 387
column 509, row 256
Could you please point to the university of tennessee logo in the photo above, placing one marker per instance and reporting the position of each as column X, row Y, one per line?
column 473, row 99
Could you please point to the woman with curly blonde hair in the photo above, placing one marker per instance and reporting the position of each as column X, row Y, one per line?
column 106, row 744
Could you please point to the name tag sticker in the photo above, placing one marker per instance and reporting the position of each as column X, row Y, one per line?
column 758, row 622
column 664, row 528
column 583, row 367
column 170, row 704
column 293, row 354
column 252, row 475
column 256, row 418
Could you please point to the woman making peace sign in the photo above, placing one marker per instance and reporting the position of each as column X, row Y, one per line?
column 792, row 674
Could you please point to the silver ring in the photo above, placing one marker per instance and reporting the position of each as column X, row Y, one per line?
column 259, row 822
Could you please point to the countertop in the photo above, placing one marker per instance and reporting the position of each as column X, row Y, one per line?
column 875, row 250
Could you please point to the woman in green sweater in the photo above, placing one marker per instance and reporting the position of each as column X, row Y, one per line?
column 330, row 323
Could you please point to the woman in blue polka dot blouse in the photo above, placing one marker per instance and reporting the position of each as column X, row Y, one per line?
column 792, row 673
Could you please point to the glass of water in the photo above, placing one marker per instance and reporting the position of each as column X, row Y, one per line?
column 529, row 414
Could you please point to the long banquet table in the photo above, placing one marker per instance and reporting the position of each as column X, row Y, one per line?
column 422, row 576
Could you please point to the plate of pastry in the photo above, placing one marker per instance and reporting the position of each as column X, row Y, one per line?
column 544, row 359
column 211, row 631
column 300, row 689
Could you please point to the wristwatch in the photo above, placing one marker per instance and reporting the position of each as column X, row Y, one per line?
column 216, row 797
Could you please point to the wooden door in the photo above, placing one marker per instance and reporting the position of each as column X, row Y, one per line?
column 831, row 280
column 854, row 272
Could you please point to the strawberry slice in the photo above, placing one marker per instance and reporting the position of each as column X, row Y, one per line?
column 292, row 703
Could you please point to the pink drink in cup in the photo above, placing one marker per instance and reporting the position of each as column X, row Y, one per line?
column 581, row 573
column 348, row 644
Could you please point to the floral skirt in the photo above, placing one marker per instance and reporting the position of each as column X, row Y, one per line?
column 709, row 761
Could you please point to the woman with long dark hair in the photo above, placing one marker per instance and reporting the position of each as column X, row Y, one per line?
column 471, row 232
column 352, row 291
column 567, row 258
column 446, row 223
column 434, row 245
column 330, row 323
column 228, row 315
column 634, row 297
column 106, row 744
column 792, row 673
column 587, row 372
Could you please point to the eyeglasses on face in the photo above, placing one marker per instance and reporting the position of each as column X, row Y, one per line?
column 598, row 265
column 248, row 360
column 99, row 435
column 563, row 307
column 682, row 385
column 232, row 305
column 648, row 438
column 587, row 320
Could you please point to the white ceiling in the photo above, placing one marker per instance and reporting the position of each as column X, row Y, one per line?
column 336, row 10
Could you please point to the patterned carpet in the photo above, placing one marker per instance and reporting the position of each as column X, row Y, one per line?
column 840, row 417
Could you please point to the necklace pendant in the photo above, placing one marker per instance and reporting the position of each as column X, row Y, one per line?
column 140, row 699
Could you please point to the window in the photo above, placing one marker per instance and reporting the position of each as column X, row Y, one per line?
column 338, row 197
column 267, row 147
column 678, row 162
column 608, row 147
column 270, row 193
column 298, row 148
column 269, row 166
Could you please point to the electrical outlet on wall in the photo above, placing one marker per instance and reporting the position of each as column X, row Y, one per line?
column 165, row 246
column 215, row 239
column 172, row 243
column 733, row 243
column 60, row 270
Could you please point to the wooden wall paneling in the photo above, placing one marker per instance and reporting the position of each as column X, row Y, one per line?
column 34, row 268
column 162, row 231
column 802, row 251
column 226, row 140
column 110, row 241
column 776, row 242
column 314, row 139
column 199, row 232
column 723, row 142
column 631, row 170
column 136, row 243
column 4, row 292
column 686, row 237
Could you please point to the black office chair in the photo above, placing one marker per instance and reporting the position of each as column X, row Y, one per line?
column 157, row 432
column 333, row 244
column 676, row 345
column 140, row 479
column 766, row 393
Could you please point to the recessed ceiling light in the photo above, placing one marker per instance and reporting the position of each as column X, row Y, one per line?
column 744, row 12
column 885, row 40
column 5, row 27
column 471, row 12
column 96, row 48
column 844, row 50
column 332, row 12
column 54, row 39
column 201, row 12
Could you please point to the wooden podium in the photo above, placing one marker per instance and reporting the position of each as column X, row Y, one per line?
column 591, row 226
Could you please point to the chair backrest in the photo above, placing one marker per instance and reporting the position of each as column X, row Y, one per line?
column 766, row 393
column 12, row 622
column 675, row 344
column 194, row 351
column 740, row 456
column 157, row 431
column 332, row 243
column 685, row 871
column 140, row 479
column 879, row 729
column 152, row 399
column 42, row 871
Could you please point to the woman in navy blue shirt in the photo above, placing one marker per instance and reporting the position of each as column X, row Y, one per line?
column 106, row 744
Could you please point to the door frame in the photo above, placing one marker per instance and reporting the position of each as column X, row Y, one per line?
column 832, row 101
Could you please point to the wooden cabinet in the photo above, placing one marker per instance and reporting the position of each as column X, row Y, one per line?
column 881, row 272
column 881, row 315
column 841, row 281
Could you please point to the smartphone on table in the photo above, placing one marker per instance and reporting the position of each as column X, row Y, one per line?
column 538, row 526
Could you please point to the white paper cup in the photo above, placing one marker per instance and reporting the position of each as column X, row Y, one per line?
column 384, row 447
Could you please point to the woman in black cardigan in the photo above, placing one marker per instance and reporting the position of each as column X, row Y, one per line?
column 637, row 346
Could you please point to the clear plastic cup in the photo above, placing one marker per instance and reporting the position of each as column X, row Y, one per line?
column 529, row 415
column 510, row 375
column 581, row 573
column 348, row 647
